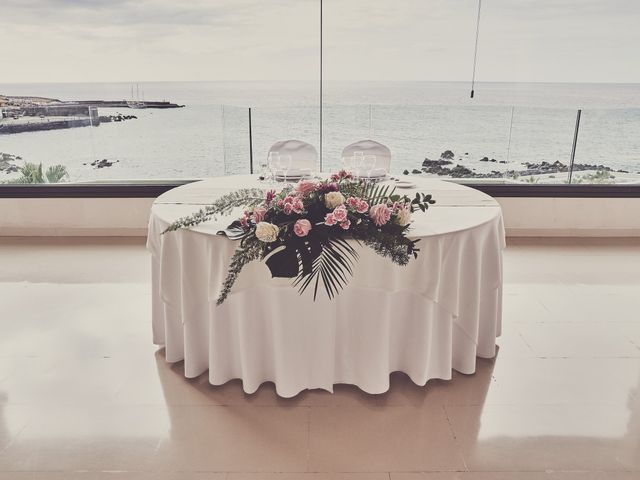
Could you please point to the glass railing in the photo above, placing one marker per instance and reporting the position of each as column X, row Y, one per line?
column 519, row 145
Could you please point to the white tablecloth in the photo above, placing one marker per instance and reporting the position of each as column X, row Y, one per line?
column 425, row 319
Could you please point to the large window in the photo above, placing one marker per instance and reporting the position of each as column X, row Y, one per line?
column 133, row 92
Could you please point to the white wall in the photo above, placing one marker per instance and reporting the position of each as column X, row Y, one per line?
column 74, row 216
column 565, row 217
column 571, row 217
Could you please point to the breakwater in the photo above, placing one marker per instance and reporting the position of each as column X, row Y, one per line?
column 8, row 128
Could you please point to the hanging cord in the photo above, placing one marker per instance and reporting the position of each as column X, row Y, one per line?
column 475, row 51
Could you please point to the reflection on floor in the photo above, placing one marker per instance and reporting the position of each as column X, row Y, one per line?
column 84, row 394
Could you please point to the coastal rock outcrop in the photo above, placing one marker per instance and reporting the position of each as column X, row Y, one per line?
column 102, row 163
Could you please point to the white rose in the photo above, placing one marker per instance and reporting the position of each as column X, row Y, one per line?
column 267, row 232
column 333, row 199
column 403, row 217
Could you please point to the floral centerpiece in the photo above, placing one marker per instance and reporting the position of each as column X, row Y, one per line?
column 301, row 232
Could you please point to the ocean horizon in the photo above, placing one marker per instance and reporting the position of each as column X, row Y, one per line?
column 511, row 123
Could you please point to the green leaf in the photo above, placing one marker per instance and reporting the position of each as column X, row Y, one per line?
column 332, row 266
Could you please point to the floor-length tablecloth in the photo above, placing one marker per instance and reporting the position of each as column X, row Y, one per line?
column 436, row 314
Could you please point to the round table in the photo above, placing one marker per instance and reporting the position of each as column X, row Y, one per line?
column 436, row 314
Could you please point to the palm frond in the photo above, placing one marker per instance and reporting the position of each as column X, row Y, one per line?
column 332, row 266
column 56, row 173
column 31, row 173
column 376, row 192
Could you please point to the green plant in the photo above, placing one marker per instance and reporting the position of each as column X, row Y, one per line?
column 31, row 173
column 601, row 176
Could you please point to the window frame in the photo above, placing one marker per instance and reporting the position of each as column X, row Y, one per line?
column 156, row 188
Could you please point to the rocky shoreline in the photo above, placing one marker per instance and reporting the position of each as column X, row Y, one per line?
column 444, row 166
column 8, row 163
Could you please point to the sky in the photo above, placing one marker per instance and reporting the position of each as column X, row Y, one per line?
column 256, row 40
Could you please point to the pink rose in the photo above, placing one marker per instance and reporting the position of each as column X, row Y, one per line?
column 280, row 202
column 362, row 207
column 258, row 214
column 329, row 219
column 288, row 208
column 345, row 225
column 380, row 214
column 305, row 186
column 302, row 227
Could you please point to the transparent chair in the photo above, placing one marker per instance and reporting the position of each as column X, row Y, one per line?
column 292, row 159
column 367, row 158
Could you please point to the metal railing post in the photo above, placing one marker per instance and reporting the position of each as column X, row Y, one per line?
column 250, row 145
column 575, row 143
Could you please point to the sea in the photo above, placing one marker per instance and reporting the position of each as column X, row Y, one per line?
column 510, row 123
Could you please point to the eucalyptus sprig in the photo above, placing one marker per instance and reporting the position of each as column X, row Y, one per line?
column 245, row 197
column 250, row 249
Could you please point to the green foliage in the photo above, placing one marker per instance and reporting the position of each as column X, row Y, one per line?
column 601, row 176
column 56, row 173
column 250, row 249
column 336, row 257
column 245, row 197
column 32, row 173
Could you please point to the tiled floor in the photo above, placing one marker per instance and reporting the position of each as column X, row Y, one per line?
column 84, row 395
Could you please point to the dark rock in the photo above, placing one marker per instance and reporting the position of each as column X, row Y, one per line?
column 415, row 170
column 103, row 163
column 447, row 155
column 484, row 159
column 405, row 172
column 502, row 161
column 435, row 163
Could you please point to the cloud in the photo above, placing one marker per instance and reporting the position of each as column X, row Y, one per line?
column 542, row 40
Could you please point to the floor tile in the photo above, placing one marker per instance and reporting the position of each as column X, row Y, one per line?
column 93, row 438
column 570, row 381
column 539, row 438
column 348, row 439
column 585, row 340
column 233, row 438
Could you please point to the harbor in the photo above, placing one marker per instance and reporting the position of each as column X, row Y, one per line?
column 30, row 114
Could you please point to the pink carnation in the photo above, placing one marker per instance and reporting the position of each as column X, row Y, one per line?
column 362, row 206
column 288, row 208
column 305, row 186
column 329, row 219
column 258, row 214
column 280, row 202
column 380, row 214
column 302, row 227
column 340, row 175
column 298, row 206
column 353, row 202
column 345, row 225
column 244, row 221
column 340, row 213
